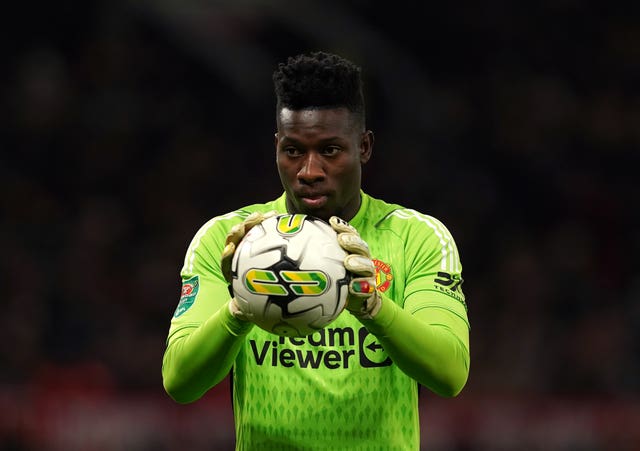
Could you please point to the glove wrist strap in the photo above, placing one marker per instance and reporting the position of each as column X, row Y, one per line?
column 370, row 307
column 235, row 310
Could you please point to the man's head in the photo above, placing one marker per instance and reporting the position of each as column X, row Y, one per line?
column 321, row 142
column 320, row 80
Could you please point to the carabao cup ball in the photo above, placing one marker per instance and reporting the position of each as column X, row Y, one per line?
column 288, row 275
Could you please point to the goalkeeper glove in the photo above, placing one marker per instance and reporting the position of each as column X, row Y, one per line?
column 232, row 241
column 363, row 300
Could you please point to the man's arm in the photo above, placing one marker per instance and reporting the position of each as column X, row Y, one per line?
column 207, row 330
column 431, row 344
column 197, row 358
column 429, row 338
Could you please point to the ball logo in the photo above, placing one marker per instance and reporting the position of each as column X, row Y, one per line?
column 286, row 282
column 290, row 224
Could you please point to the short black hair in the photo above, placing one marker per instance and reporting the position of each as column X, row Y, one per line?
column 319, row 80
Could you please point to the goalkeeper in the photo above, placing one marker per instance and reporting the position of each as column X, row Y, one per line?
column 406, row 321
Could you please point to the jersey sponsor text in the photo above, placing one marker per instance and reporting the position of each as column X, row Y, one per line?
column 332, row 348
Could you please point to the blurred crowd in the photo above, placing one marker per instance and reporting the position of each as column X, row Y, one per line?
column 522, row 134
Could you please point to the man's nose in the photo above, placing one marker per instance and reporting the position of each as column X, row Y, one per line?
column 312, row 169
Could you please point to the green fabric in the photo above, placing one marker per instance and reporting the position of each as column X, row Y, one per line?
column 353, row 385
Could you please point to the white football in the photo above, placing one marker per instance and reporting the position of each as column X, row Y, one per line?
column 288, row 275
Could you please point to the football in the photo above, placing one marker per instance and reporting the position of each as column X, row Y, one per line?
column 288, row 275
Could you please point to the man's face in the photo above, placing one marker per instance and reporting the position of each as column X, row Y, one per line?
column 319, row 154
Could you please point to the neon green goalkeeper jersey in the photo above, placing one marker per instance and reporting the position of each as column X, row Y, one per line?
column 337, row 388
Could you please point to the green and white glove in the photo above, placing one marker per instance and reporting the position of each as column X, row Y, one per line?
column 232, row 241
column 363, row 300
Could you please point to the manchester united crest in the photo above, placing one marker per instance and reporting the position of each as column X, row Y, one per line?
column 383, row 275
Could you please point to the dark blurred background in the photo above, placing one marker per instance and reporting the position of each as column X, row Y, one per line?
column 125, row 125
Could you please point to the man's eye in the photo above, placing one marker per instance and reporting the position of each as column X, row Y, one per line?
column 291, row 151
column 332, row 150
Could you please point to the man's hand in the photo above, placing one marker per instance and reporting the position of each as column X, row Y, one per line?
column 234, row 237
column 363, row 300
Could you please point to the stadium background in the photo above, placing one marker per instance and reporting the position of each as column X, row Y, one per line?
column 127, row 124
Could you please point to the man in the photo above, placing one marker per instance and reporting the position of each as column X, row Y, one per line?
column 406, row 321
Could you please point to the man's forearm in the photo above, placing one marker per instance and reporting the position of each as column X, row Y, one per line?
column 199, row 359
column 431, row 353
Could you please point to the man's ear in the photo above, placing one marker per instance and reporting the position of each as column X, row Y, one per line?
column 275, row 139
column 366, row 146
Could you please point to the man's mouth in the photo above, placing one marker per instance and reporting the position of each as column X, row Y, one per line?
column 313, row 200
